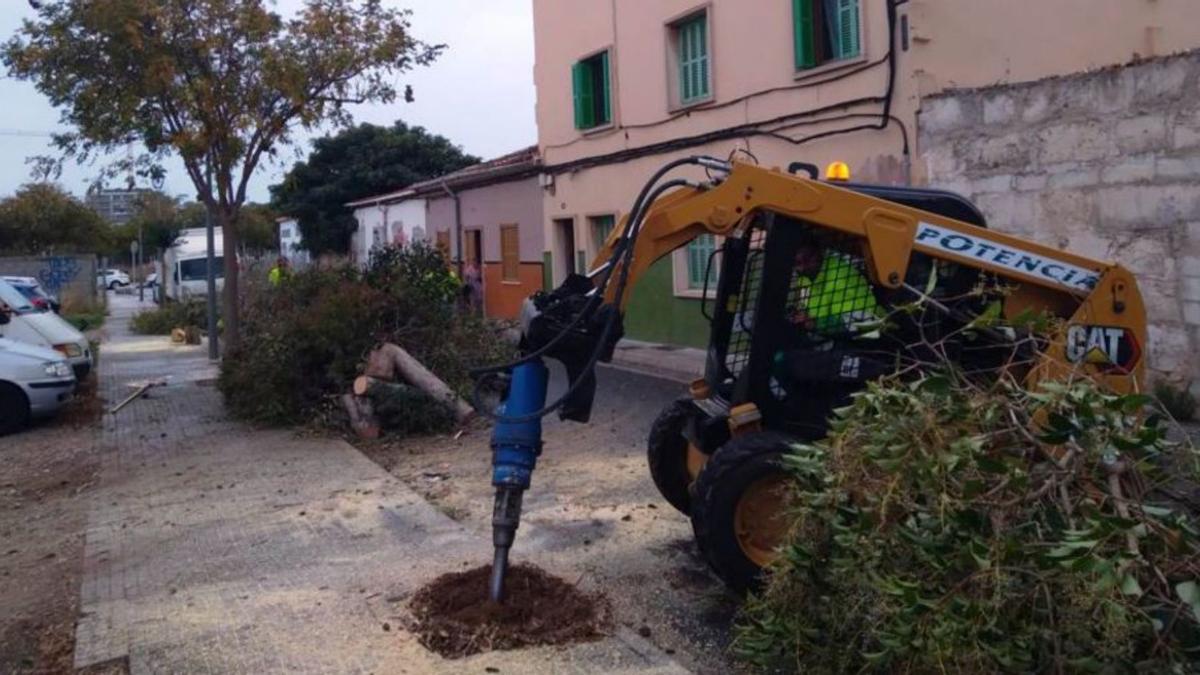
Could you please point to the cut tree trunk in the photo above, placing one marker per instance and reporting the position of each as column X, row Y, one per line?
column 387, row 360
column 362, row 415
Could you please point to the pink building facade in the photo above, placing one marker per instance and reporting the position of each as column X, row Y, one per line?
column 623, row 86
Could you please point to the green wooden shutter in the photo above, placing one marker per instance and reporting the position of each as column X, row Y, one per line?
column 847, row 29
column 685, row 62
column 802, row 17
column 581, row 82
column 607, row 90
column 692, row 38
column 602, row 226
column 698, row 251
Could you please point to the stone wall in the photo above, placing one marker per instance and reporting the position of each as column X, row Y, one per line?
column 70, row 277
column 1105, row 164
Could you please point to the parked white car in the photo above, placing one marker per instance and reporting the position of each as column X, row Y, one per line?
column 34, row 382
column 111, row 279
column 43, row 329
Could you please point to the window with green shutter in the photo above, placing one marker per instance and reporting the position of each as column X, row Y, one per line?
column 698, row 252
column 826, row 30
column 592, row 91
column 691, row 48
column 602, row 226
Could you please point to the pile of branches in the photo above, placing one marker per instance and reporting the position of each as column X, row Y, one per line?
column 305, row 340
column 951, row 526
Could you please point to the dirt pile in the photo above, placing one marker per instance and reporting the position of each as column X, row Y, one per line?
column 453, row 616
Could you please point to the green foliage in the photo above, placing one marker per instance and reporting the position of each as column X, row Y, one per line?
column 223, row 84
column 944, row 527
column 358, row 162
column 167, row 317
column 157, row 219
column 1177, row 401
column 41, row 218
column 305, row 339
column 84, row 321
column 259, row 232
column 406, row 411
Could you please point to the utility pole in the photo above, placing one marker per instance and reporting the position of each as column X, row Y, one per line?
column 141, row 261
column 214, row 351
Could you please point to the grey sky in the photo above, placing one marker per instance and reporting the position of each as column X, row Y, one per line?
column 479, row 94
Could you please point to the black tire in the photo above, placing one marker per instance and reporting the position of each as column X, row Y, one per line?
column 742, row 462
column 112, row 285
column 14, row 409
column 666, row 452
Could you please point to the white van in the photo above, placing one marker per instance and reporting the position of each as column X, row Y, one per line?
column 44, row 329
column 185, row 271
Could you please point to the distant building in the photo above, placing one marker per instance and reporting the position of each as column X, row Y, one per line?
column 487, row 216
column 392, row 218
column 116, row 206
column 290, row 242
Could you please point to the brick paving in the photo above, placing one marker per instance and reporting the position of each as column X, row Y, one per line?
column 215, row 547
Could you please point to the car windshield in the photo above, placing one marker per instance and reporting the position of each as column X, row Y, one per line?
column 13, row 298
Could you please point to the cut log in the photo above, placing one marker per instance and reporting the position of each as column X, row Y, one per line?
column 362, row 384
column 362, row 415
column 380, row 365
column 387, row 360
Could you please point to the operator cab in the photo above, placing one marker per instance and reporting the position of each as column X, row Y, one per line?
column 797, row 325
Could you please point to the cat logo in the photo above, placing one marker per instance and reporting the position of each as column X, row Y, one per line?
column 1109, row 348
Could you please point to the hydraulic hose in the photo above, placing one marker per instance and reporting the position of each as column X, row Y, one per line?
column 625, row 243
column 600, row 344
column 622, row 254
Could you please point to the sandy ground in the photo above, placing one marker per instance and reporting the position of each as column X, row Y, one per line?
column 592, row 512
column 45, row 475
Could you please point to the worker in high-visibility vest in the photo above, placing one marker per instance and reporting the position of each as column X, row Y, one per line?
column 830, row 294
column 279, row 272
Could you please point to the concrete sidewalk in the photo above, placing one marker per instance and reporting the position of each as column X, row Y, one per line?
column 682, row 364
column 216, row 547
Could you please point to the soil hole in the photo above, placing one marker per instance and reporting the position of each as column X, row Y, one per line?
column 453, row 616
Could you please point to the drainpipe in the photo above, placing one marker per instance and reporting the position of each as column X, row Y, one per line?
column 458, row 231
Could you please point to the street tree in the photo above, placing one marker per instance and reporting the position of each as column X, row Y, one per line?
column 355, row 163
column 259, row 229
column 223, row 84
column 42, row 219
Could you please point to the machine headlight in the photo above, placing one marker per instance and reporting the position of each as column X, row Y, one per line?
column 70, row 350
column 58, row 369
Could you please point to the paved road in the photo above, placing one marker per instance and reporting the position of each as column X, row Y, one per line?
column 214, row 547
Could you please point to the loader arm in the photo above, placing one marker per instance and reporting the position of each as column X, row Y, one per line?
column 1099, row 300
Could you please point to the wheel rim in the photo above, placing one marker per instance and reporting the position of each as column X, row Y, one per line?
column 760, row 521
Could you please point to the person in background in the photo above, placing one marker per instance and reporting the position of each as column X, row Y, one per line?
column 473, row 287
column 279, row 272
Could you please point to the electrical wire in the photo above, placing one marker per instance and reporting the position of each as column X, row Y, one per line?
column 718, row 106
column 751, row 129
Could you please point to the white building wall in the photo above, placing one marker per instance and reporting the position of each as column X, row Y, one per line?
column 289, row 242
column 380, row 224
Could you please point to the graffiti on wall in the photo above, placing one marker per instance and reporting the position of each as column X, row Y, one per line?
column 58, row 271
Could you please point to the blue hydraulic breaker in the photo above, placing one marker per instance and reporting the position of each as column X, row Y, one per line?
column 515, row 449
